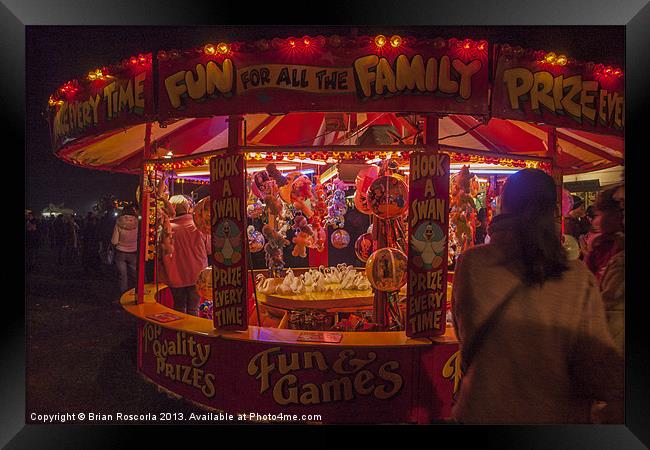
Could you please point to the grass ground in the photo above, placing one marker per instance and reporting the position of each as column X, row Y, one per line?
column 81, row 346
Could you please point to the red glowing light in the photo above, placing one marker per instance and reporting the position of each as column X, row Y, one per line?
column 134, row 60
column 482, row 45
column 306, row 41
column 467, row 44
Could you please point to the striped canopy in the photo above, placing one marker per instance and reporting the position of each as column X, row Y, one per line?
column 123, row 150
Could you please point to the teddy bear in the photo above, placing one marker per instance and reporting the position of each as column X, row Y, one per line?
column 301, row 195
column 275, row 243
column 271, row 192
column 302, row 240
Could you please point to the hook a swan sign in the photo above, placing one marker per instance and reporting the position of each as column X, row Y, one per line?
column 228, row 220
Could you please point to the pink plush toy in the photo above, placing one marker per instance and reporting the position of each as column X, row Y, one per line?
column 301, row 195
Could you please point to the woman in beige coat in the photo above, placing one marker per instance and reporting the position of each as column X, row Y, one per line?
column 547, row 353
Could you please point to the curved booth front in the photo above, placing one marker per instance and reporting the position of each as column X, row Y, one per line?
column 367, row 377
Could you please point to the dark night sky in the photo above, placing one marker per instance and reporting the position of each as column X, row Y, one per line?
column 55, row 55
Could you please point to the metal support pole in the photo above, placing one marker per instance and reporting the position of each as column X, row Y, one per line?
column 144, row 221
column 557, row 175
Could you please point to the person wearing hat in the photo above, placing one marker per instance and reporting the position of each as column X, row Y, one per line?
column 576, row 223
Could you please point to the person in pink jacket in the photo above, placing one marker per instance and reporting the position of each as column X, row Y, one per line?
column 534, row 341
column 180, row 269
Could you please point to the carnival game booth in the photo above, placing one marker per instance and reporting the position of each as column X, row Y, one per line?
column 340, row 176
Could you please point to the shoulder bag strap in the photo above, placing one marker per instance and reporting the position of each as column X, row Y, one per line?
column 470, row 350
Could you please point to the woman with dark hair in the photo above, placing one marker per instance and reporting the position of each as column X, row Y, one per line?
column 606, row 259
column 125, row 240
column 531, row 325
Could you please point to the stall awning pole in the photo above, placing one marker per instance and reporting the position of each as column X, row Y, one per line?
column 144, row 221
column 556, row 172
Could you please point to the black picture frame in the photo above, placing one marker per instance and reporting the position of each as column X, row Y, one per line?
column 634, row 15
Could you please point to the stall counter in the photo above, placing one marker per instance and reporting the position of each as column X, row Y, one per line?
column 369, row 377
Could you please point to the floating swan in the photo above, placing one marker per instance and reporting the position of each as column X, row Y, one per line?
column 265, row 285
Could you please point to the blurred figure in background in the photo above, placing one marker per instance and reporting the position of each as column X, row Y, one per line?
column 125, row 240
column 59, row 238
column 606, row 258
column 90, row 245
column 70, row 239
column 576, row 223
column 31, row 240
column 105, row 228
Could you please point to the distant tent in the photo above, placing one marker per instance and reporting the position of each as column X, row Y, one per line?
column 56, row 210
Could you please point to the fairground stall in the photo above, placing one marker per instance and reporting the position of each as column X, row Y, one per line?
column 339, row 178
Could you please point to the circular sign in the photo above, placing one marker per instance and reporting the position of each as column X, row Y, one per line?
column 201, row 215
column 363, row 247
column 386, row 269
column 340, row 238
column 388, row 197
column 204, row 283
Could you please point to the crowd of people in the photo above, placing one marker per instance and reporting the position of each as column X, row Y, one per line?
column 108, row 242
column 73, row 240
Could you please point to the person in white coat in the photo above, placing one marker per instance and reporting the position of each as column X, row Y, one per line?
column 125, row 240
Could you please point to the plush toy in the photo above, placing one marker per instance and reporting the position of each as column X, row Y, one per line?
column 286, row 189
column 463, row 219
column 299, row 222
column 164, row 212
column 302, row 240
column 255, row 239
column 318, row 219
column 336, row 208
column 301, row 195
column 271, row 198
column 305, row 236
column 275, row 174
column 257, row 183
column 255, row 210
column 275, row 243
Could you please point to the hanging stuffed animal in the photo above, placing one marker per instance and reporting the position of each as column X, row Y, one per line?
column 301, row 195
column 271, row 197
column 275, row 174
column 285, row 190
column 336, row 208
column 318, row 219
column 274, row 246
column 302, row 240
column 164, row 213
column 257, row 183
column 304, row 237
